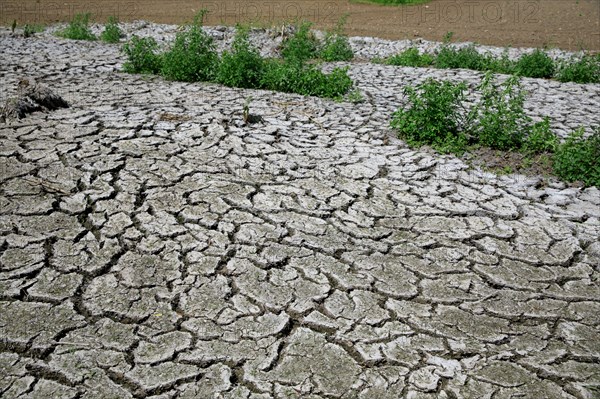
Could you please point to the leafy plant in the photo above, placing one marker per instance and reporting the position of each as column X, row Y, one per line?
column 540, row 138
column 142, row 55
column 193, row 56
column 411, row 58
column 78, row 28
column 300, row 47
column 466, row 57
column 243, row 66
column 112, row 33
column 502, row 120
column 434, row 116
column 583, row 70
column 336, row 46
column 535, row 65
column 578, row 158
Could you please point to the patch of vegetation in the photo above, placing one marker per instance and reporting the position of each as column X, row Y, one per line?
column 336, row 46
column 535, row 65
column 502, row 123
column 242, row 66
column 142, row 56
column 78, row 28
column 434, row 116
column 300, row 47
column 578, row 158
column 580, row 70
column 112, row 33
column 193, row 58
column 411, row 57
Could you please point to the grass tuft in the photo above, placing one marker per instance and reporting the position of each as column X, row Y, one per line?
column 78, row 28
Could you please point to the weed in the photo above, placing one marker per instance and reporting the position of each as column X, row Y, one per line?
column 78, row 28
column 336, row 46
column 434, row 116
column 13, row 26
column 243, row 66
column 112, row 33
column 540, row 138
column 583, row 70
column 193, row 56
column 466, row 57
column 535, row 65
column 411, row 58
column 502, row 120
column 578, row 158
column 302, row 46
column 142, row 56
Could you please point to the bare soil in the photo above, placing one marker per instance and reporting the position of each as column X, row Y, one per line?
column 566, row 24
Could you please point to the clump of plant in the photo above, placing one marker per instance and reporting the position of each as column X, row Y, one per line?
column 193, row 56
column 242, row 66
column 535, row 65
column 112, row 33
column 540, row 138
column 502, row 123
column 305, row 79
column 411, row 57
column 578, row 158
column 300, row 47
column 78, row 28
column 583, row 70
column 336, row 46
column 434, row 116
column 142, row 56
column 466, row 57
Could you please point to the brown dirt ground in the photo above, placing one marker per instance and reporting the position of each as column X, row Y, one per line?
column 566, row 24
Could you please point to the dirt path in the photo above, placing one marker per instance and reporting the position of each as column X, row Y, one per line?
column 567, row 24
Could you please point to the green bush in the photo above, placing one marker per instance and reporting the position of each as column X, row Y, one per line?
column 578, row 158
column 466, row 57
column 583, row 70
column 78, row 28
column 502, row 123
column 112, row 33
column 243, row 66
column 305, row 79
column 411, row 58
column 193, row 57
column 540, row 138
column 336, row 46
column 142, row 56
column 302, row 46
column 434, row 116
column 535, row 65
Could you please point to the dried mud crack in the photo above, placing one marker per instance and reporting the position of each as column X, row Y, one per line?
column 154, row 245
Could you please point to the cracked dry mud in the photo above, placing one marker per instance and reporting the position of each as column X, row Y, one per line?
column 154, row 246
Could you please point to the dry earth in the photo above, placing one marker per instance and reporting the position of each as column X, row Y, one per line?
column 567, row 24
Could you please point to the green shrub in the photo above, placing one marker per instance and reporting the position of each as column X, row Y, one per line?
column 78, row 28
column 433, row 116
column 578, row 158
column 540, row 138
column 466, row 57
column 305, row 79
column 502, row 123
column 142, row 56
column 112, row 33
column 583, row 70
column 302, row 46
column 411, row 58
column 193, row 57
column 243, row 66
column 336, row 46
column 535, row 65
